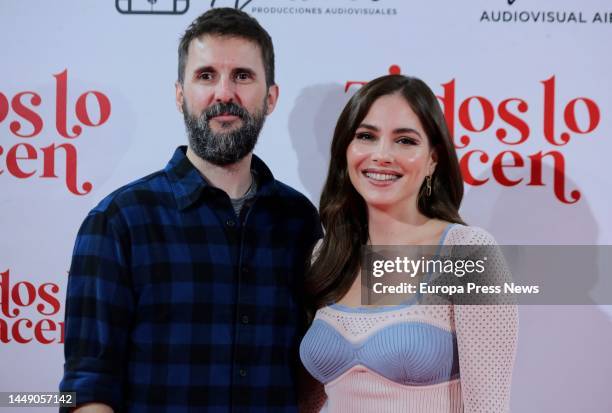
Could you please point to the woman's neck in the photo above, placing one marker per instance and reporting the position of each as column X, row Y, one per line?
column 401, row 228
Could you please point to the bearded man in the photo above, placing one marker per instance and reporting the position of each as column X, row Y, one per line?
column 183, row 292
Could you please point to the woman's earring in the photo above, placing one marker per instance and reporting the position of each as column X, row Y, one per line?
column 428, row 185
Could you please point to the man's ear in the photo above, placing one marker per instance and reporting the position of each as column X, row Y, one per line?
column 271, row 99
column 179, row 96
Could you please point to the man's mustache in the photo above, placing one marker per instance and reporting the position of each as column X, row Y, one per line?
column 226, row 109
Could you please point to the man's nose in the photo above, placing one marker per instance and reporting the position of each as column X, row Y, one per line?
column 224, row 90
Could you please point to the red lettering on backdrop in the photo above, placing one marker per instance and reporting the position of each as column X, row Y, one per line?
column 513, row 120
column 464, row 164
column 61, row 107
column 71, row 167
column 48, row 292
column 505, row 160
column 26, row 112
column 25, row 295
column 103, row 103
column 393, row 70
column 558, row 175
column 498, row 168
column 39, row 329
column 488, row 114
column 5, row 290
column 549, row 114
column 448, row 104
column 570, row 115
column 12, row 164
column 19, row 338
column 4, row 107
column 30, row 294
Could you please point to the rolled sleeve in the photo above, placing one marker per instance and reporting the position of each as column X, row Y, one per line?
column 99, row 308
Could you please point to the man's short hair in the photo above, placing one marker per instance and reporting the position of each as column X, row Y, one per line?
column 232, row 23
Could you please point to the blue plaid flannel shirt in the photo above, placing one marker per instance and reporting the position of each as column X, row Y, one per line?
column 174, row 304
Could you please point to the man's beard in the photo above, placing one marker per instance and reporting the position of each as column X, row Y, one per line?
column 223, row 148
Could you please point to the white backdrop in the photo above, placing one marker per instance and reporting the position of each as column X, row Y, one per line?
column 537, row 70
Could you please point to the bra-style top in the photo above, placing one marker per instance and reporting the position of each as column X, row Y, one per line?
column 410, row 352
column 417, row 358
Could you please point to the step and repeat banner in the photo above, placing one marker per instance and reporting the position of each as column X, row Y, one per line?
column 87, row 105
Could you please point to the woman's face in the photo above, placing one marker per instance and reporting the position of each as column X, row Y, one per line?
column 390, row 156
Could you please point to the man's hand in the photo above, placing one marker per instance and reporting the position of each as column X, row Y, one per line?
column 93, row 408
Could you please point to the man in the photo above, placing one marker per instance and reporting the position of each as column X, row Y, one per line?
column 183, row 292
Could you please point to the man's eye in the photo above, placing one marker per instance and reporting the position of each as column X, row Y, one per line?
column 205, row 76
column 364, row 136
column 243, row 76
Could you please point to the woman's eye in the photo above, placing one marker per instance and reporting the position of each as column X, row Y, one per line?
column 364, row 136
column 407, row 141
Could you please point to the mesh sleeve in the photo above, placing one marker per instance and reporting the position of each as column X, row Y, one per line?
column 487, row 341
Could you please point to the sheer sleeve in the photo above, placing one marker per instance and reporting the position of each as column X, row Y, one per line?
column 486, row 339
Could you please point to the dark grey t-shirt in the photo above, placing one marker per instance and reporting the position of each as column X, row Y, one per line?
column 238, row 203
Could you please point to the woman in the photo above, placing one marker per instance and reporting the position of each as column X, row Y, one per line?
column 394, row 179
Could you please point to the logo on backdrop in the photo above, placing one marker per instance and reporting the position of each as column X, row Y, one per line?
column 323, row 8
column 240, row 5
column 274, row 7
column 152, row 6
column 29, row 312
column 511, row 15
column 24, row 159
column 505, row 122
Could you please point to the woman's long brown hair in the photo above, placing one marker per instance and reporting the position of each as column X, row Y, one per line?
column 343, row 211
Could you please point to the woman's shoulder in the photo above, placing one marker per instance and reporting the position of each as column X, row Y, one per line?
column 459, row 234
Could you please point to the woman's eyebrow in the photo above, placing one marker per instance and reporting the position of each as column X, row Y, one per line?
column 407, row 130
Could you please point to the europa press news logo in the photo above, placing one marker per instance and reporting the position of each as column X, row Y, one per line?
column 170, row 7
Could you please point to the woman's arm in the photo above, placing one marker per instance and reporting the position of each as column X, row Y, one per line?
column 487, row 334
column 487, row 340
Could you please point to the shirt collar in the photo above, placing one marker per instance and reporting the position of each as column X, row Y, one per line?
column 188, row 185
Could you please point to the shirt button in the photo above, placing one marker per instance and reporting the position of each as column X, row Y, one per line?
column 244, row 319
column 242, row 372
column 245, row 270
column 230, row 223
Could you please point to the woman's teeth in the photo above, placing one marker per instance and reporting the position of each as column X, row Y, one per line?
column 381, row 177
